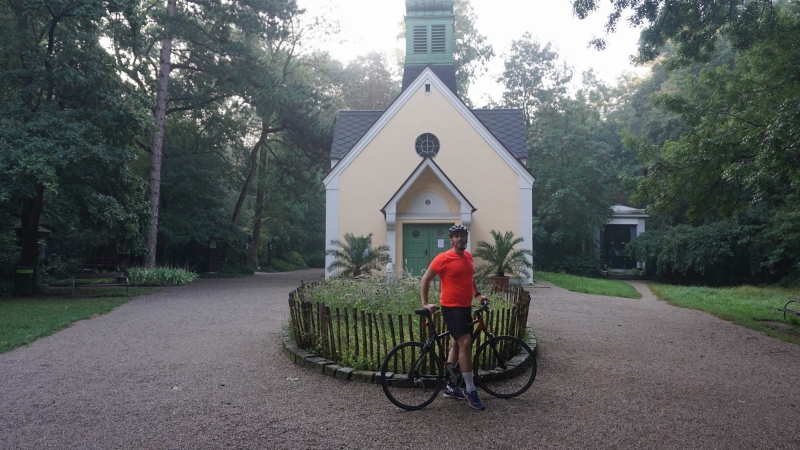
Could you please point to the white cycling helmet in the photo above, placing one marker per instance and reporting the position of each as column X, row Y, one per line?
column 457, row 228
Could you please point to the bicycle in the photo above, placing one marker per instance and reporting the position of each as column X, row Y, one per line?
column 412, row 374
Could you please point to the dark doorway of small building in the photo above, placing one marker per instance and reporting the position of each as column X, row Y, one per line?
column 614, row 240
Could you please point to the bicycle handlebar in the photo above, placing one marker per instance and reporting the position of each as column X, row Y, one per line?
column 427, row 313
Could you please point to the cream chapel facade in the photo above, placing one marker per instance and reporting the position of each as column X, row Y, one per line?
column 427, row 162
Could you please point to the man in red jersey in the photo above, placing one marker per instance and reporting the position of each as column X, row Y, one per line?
column 455, row 270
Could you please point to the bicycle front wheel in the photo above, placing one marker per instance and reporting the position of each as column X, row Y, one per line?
column 504, row 366
column 411, row 376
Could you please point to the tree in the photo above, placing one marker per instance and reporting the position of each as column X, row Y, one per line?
column 695, row 26
column 572, row 193
column 532, row 75
column 67, row 121
column 217, row 48
column 721, row 149
column 198, row 187
column 154, row 194
column 470, row 50
column 354, row 256
column 740, row 145
column 368, row 84
column 296, row 115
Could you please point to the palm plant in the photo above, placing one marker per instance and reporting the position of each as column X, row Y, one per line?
column 353, row 256
column 502, row 258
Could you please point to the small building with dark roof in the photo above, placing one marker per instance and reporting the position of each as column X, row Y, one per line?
column 407, row 174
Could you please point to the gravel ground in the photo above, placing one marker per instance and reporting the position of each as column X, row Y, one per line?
column 201, row 366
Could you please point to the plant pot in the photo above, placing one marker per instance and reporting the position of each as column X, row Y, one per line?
column 499, row 284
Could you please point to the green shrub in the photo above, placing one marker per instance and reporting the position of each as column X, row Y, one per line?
column 294, row 258
column 281, row 265
column 315, row 260
column 161, row 276
column 354, row 256
column 584, row 265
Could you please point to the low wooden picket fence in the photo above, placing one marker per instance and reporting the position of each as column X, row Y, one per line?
column 349, row 335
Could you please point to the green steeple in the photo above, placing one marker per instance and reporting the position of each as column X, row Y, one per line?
column 429, row 32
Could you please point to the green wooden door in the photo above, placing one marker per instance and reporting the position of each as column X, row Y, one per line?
column 421, row 243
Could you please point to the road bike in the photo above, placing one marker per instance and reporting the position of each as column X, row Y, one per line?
column 413, row 374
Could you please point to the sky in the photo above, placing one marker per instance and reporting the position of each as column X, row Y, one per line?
column 373, row 25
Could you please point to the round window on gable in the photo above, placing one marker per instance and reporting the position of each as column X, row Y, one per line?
column 427, row 145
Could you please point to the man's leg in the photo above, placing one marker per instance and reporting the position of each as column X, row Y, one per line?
column 453, row 391
column 464, row 347
column 465, row 361
column 452, row 356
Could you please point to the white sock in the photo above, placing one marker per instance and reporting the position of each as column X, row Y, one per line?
column 468, row 381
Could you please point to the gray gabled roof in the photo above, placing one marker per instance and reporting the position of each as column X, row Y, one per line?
column 507, row 125
column 350, row 127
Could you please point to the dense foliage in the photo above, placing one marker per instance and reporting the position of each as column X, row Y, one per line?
column 248, row 124
column 67, row 125
column 161, row 276
column 707, row 142
column 730, row 176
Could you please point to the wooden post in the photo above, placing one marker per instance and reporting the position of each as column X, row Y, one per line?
column 383, row 333
column 391, row 330
column 410, row 328
column 318, row 328
column 355, row 330
column 364, row 334
column 400, row 327
column 339, row 335
column 331, row 335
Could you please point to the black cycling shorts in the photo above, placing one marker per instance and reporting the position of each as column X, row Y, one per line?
column 458, row 320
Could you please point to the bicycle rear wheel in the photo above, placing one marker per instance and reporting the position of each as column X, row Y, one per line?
column 411, row 378
column 504, row 366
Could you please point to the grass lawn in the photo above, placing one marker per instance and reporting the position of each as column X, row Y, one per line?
column 25, row 319
column 585, row 285
column 748, row 306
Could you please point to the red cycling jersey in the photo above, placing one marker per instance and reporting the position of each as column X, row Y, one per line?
column 456, row 272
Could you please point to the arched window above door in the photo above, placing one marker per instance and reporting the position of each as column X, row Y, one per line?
column 427, row 202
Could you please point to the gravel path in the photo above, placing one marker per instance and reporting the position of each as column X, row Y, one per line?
column 201, row 367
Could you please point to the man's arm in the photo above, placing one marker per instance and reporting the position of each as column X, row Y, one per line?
column 477, row 294
column 425, row 287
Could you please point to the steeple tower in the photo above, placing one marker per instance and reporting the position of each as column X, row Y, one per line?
column 429, row 40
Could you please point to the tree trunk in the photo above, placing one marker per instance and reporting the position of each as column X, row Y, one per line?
column 31, row 212
column 262, row 180
column 158, row 139
column 253, row 169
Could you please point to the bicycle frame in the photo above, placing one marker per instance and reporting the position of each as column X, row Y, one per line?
column 436, row 337
column 497, row 363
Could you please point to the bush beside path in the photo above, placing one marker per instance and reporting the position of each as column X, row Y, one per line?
column 201, row 366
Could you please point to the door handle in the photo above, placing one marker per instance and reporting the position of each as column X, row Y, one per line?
column 426, row 252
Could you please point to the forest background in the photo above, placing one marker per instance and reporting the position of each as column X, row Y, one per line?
column 108, row 143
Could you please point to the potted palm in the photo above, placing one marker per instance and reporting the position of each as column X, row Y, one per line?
column 353, row 256
column 501, row 259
